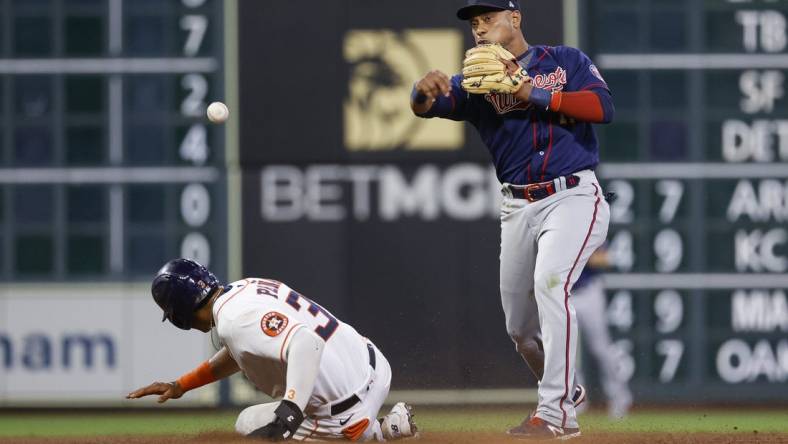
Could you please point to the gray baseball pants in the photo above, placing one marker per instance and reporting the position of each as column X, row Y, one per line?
column 544, row 246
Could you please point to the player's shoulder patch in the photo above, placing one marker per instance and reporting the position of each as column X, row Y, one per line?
column 273, row 323
column 596, row 72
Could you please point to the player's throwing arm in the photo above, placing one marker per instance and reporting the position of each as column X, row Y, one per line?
column 428, row 88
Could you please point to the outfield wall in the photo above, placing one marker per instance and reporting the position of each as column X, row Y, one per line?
column 89, row 345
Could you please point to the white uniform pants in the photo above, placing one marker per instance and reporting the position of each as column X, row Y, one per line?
column 358, row 423
column 544, row 247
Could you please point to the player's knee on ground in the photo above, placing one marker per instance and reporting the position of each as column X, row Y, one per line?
column 254, row 417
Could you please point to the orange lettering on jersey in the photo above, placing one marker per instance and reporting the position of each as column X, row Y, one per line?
column 273, row 323
column 291, row 394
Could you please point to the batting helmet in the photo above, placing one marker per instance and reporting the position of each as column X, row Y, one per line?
column 181, row 287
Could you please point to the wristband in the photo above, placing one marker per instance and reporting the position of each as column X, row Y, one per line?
column 540, row 97
column 198, row 377
column 417, row 97
column 287, row 418
column 290, row 414
column 555, row 101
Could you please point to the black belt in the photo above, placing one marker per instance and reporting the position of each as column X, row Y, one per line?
column 342, row 406
column 538, row 191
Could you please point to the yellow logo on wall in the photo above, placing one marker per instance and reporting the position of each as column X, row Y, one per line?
column 383, row 67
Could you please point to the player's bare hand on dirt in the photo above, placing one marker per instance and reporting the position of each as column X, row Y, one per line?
column 434, row 84
column 165, row 390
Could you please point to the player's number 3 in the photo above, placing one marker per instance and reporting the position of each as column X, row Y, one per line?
column 324, row 331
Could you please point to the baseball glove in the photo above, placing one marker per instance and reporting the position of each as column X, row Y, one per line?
column 491, row 68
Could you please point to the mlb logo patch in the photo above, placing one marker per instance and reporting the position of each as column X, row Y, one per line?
column 273, row 323
column 596, row 73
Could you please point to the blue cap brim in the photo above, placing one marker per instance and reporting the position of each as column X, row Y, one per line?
column 468, row 12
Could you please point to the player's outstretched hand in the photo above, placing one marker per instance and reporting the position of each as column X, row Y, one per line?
column 434, row 84
column 165, row 390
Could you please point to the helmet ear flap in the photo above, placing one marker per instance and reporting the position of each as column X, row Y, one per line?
column 184, row 323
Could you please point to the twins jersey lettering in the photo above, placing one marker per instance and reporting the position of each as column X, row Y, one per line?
column 529, row 144
column 256, row 318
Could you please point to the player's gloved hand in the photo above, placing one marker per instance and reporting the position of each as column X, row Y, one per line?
column 165, row 390
column 491, row 68
column 288, row 418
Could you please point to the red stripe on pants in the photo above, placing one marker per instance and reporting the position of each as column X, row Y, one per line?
column 566, row 307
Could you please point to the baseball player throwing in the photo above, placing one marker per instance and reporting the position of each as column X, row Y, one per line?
column 332, row 381
column 533, row 107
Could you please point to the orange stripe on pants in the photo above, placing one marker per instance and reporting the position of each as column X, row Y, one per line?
column 354, row 431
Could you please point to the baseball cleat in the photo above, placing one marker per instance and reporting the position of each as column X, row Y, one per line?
column 579, row 396
column 537, row 428
column 398, row 423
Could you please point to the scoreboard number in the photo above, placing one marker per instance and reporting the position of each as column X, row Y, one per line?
column 669, row 250
column 194, row 103
column 671, row 350
column 669, row 308
column 621, row 208
column 194, row 148
column 619, row 311
column 672, row 191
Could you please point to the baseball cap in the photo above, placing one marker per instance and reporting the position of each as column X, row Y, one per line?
column 466, row 12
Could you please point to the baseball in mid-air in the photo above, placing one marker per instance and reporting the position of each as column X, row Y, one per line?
column 218, row 112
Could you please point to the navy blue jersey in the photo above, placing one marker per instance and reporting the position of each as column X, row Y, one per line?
column 527, row 144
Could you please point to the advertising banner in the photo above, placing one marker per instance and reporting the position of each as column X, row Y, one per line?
column 74, row 344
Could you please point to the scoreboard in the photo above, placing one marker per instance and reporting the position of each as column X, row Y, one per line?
column 107, row 165
column 698, row 156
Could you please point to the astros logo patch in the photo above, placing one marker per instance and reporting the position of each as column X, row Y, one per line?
column 273, row 323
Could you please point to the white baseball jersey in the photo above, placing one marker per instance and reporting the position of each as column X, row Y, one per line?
column 256, row 319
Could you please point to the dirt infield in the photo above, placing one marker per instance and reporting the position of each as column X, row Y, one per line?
column 438, row 438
